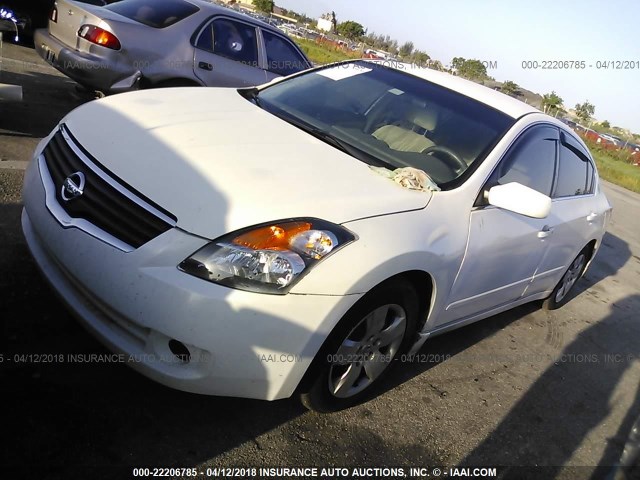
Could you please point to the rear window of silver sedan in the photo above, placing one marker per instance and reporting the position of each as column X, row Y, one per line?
column 156, row 14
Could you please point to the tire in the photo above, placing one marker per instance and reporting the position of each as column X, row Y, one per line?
column 560, row 294
column 359, row 353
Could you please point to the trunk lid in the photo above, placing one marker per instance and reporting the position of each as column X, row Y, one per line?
column 71, row 16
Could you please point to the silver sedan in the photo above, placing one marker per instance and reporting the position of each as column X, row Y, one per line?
column 140, row 44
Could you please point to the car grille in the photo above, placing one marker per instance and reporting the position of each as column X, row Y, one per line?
column 107, row 203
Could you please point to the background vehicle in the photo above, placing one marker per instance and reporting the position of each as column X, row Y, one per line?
column 33, row 14
column 142, row 43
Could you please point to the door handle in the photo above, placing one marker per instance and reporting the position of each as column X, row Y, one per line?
column 592, row 216
column 545, row 232
column 205, row 66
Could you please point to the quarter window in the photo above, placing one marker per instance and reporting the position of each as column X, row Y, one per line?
column 233, row 40
column 282, row 57
column 531, row 162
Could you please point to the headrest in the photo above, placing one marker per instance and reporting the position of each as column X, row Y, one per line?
column 426, row 118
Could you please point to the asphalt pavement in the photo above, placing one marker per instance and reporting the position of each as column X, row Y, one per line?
column 525, row 388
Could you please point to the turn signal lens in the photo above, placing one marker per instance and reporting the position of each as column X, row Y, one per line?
column 99, row 36
column 272, row 237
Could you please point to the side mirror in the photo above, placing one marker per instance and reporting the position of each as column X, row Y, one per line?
column 517, row 198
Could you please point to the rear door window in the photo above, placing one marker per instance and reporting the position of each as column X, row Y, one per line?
column 574, row 174
column 282, row 57
column 155, row 14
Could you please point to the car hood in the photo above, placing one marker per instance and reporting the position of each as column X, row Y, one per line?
column 219, row 163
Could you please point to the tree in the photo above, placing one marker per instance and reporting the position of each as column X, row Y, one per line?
column 585, row 110
column 264, row 5
column 350, row 29
column 457, row 62
column 605, row 124
column 472, row 69
column 551, row 103
column 436, row 65
column 406, row 49
column 393, row 47
column 510, row 88
column 420, row 58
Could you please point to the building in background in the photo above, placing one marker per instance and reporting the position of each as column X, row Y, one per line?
column 325, row 25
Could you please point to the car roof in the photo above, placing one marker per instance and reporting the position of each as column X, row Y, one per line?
column 213, row 8
column 504, row 103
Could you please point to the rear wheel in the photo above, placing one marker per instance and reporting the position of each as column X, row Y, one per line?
column 361, row 350
column 560, row 294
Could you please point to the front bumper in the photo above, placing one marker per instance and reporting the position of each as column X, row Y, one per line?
column 105, row 72
column 241, row 344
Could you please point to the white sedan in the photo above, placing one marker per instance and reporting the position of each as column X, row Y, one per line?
column 305, row 236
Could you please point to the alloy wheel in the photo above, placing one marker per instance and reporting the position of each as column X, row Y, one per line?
column 367, row 350
column 571, row 277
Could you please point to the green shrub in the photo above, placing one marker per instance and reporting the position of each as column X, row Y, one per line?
column 320, row 54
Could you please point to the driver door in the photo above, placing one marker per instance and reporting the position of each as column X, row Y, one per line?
column 504, row 249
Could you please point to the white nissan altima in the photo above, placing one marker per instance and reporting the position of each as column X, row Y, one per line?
column 305, row 236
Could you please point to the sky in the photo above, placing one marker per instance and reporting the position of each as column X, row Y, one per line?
column 512, row 32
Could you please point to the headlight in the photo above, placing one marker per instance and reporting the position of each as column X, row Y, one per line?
column 267, row 258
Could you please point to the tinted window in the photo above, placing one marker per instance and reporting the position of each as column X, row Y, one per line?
column 531, row 161
column 590, row 177
column 282, row 57
column 573, row 173
column 386, row 117
column 156, row 14
column 205, row 40
column 236, row 41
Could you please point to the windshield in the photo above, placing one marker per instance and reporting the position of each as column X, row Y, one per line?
column 390, row 118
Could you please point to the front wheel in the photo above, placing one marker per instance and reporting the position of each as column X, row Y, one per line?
column 361, row 350
column 560, row 294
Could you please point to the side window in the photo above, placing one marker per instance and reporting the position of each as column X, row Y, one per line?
column 531, row 161
column 282, row 57
column 230, row 39
column 590, row 177
column 574, row 174
column 575, row 171
column 205, row 40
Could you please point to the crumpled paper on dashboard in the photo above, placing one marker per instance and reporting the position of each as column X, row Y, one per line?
column 409, row 177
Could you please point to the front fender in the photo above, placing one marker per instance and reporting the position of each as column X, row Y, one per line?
column 387, row 246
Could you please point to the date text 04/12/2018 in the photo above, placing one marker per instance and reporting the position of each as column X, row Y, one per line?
column 580, row 64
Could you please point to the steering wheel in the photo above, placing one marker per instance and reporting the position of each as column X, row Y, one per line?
column 456, row 163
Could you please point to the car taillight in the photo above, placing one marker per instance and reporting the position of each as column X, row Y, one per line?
column 53, row 15
column 99, row 36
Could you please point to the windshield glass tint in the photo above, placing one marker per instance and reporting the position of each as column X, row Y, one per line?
column 396, row 118
column 156, row 14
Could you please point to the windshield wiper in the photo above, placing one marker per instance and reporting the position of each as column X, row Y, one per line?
column 337, row 142
column 250, row 93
